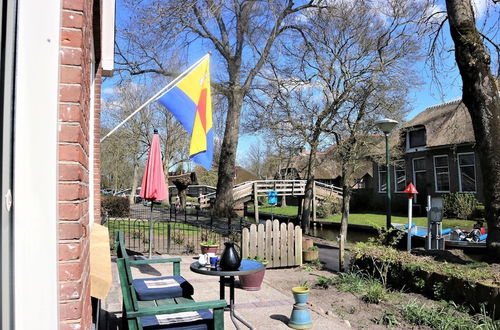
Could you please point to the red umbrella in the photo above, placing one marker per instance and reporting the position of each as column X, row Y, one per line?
column 153, row 182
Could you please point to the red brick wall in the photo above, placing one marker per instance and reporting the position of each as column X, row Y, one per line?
column 75, row 186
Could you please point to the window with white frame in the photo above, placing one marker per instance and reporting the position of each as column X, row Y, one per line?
column 441, row 173
column 382, row 178
column 399, row 176
column 467, row 172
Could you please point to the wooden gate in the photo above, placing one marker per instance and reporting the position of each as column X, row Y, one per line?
column 279, row 244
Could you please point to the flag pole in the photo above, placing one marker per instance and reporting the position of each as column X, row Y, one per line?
column 165, row 89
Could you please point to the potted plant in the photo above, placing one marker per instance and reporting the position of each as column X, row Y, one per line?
column 252, row 282
column 209, row 246
column 312, row 253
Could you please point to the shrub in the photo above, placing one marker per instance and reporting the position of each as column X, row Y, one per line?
column 115, row 206
column 460, row 206
column 328, row 207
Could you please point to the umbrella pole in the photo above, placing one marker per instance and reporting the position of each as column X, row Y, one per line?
column 150, row 229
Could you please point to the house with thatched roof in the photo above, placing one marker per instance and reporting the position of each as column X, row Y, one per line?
column 437, row 155
column 329, row 170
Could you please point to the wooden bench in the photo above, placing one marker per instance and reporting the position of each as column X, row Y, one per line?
column 162, row 304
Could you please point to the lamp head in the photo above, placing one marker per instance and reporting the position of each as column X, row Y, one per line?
column 386, row 125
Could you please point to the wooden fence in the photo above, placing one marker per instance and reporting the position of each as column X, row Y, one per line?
column 279, row 244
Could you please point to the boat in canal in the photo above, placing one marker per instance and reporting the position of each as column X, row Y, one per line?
column 453, row 238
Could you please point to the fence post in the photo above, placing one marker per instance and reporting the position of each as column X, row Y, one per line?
column 168, row 238
column 255, row 203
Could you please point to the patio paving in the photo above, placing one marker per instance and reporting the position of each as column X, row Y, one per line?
column 268, row 308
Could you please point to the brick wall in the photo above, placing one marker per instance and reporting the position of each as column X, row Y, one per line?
column 75, row 186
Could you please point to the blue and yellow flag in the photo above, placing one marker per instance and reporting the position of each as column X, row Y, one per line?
column 191, row 104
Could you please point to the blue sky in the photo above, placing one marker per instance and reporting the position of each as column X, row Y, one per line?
column 421, row 97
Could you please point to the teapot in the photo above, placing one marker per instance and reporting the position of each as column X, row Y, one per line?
column 230, row 259
column 202, row 259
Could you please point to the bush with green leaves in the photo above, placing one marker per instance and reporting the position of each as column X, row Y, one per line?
column 115, row 206
column 328, row 207
column 459, row 205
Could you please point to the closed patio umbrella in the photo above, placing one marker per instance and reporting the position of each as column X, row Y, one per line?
column 153, row 182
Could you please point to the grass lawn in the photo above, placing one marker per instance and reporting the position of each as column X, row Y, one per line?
column 372, row 219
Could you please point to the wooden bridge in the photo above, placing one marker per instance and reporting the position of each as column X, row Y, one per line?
column 252, row 190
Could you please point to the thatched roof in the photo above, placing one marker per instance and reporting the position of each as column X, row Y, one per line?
column 445, row 124
column 328, row 166
column 244, row 175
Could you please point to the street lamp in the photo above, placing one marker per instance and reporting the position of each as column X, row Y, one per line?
column 386, row 125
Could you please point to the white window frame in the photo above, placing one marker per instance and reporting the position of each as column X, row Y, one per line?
column 414, row 176
column 435, row 174
column 379, row 185
column 460, row 172
column 403, row 168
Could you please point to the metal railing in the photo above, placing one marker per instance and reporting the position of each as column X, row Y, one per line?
column 174, row 231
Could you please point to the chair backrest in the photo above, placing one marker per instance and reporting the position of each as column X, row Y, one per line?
column 129, row 296
column 121, row 252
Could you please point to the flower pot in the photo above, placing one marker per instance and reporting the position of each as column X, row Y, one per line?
column 252, row 282
column 310, row 255
column 301, row 317
column 208, row 248
column 307, row 243
column 300, row 294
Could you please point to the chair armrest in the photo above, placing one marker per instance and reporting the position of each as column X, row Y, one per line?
column 185, row 307
column 176, row 263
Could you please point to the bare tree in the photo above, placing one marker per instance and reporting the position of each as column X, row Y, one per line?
column 241, row 34
column 335, row 73
column 481, row 96
column 133, row 139
column 255, row 159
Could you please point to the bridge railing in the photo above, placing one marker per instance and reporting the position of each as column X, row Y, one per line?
column 282, row 187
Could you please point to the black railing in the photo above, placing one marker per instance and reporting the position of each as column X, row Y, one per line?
column 174, row 231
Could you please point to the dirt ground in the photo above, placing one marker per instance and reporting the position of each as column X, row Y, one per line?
column 349, row 307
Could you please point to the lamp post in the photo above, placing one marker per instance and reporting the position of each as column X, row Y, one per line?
column 386, row 125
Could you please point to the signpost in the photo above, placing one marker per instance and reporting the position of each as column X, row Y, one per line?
column 410, row 190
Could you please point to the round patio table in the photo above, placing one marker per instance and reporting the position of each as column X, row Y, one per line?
column 227, row 276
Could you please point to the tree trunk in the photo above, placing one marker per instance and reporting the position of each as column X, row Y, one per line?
column 283, row 201
column 182, row 198
column 308, row 194
column 346, row 199
column 227, row 170
column 135, row 180
column 480, row 96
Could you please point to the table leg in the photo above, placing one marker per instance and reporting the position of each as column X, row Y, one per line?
column 231, row 307
column 222, row 281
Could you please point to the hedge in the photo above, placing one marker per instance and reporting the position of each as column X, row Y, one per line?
column 115, row 206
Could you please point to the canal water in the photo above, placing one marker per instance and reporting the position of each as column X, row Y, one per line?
column 331, row 233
